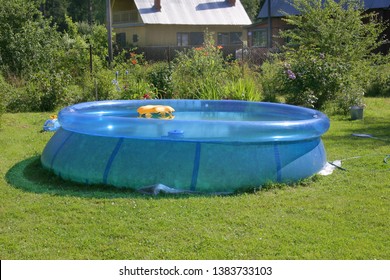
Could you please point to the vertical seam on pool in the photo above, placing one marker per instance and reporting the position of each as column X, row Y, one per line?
column 59, row 148
column 111, row 160
column 195, row 171
column 321, row 151
column 278, row 163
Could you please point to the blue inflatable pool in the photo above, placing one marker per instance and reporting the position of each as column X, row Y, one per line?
column 207, row 146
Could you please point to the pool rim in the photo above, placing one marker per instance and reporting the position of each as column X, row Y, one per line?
column 314, row 125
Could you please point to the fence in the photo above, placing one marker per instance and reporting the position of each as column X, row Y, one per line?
column 250, row 55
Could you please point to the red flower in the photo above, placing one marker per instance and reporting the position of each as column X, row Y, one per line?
column 147, row 96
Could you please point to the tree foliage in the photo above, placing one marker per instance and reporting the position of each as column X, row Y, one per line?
column 330, row 52
column 27, row 41
column 252, row 7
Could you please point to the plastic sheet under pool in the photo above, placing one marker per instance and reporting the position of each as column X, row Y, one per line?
column 105, row 143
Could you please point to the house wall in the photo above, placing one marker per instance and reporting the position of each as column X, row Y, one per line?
column 166, row 35
column 122, row 5
column 277, row 25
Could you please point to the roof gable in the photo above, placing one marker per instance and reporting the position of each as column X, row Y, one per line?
column 193, row 12
column 280, row 7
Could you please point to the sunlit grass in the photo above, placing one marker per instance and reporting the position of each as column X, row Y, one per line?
column 341, row 216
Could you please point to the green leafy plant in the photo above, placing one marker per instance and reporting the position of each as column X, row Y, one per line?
column 200, row 72
column 243, row 89
column 330, row 53
column 159, row 74
column 380, row 85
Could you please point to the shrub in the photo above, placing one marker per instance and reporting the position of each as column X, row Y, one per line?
column 380, row 85
column 130, row 78
column 270, row 80
column 28, row 43
column 329, row 54
column 199, row 73
column 244, row 88
column 159, row 74
column 4, row 89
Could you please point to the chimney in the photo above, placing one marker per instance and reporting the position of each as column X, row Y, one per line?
column 157, row 5
column 231, row 2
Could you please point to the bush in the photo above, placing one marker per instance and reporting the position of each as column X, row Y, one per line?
column 43, row 92
column 329, row 55
column 159, row 74
column 380, row 85
column 4, row 89
column 199, row 73
column 28, row 43
column 247, row 88
column 130, row 78
column 270, row 82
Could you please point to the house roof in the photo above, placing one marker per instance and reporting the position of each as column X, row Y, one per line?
column 280, row 7
column 193, row 12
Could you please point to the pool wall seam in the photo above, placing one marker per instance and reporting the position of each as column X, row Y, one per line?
column 59, row 149
column 278, row 163
column 111, row 159
column 195, row 170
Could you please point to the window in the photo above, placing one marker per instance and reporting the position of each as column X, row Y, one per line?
column 190, row 38
column 183, row 39
column 229, row 38
column 235, row 38
column 223, row 39
column 196, row 38
column 121, row 39
column 259, row 38
column 135, row 38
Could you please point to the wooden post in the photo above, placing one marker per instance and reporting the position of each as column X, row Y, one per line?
column 90, row 59
column 269, row 25
column 109, row 31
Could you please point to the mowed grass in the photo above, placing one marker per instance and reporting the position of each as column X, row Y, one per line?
column 341, row 216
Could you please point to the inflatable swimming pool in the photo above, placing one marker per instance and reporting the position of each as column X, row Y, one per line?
column 207, row 146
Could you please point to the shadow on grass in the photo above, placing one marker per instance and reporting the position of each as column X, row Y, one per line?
column 380, row 136
column 29, row 175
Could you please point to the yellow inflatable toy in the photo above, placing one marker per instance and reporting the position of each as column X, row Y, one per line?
column 161, row 111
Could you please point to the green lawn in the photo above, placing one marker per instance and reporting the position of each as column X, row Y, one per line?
column 341, row 216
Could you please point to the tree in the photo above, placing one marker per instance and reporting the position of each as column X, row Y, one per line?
column 252, row 7
column 27, row 41
column 330, row 52
column 56, row 10
column 87, row 10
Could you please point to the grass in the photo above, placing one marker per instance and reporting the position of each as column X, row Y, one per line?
column 341, row 216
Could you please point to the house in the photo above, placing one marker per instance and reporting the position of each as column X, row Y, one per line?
column 178, row 23
column 259, row 32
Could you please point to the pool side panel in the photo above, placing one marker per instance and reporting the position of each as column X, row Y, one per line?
column 229, row 167
column 52, row 148
column 141, row 163
column 204, row 167
column 311, row 160
column 82, row 158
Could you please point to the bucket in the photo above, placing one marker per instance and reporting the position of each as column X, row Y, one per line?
column 356, row 113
